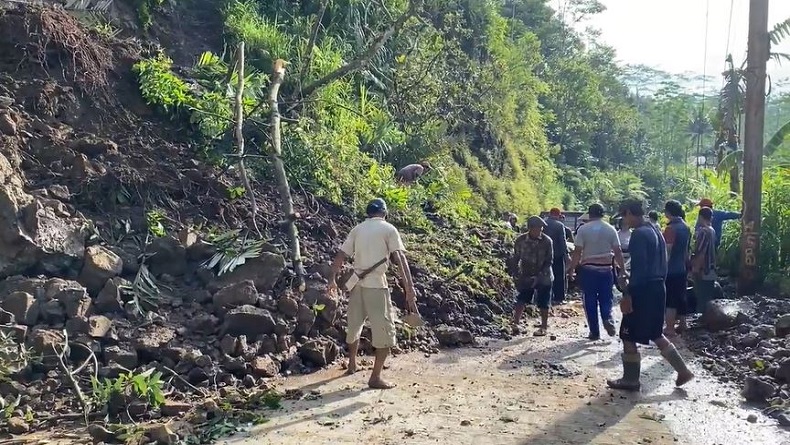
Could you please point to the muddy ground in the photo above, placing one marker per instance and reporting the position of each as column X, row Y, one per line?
column 524, row 391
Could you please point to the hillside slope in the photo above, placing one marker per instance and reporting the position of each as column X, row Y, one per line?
column 107, row 213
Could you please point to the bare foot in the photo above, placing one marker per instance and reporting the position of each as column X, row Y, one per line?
column 351, row 369
column 684, row 378
column 380, row 384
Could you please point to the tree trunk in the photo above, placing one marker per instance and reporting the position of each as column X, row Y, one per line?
column 239, row 112
column 286, row 201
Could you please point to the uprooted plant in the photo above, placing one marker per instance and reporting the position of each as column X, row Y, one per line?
column 116, row 394
column 233, row 250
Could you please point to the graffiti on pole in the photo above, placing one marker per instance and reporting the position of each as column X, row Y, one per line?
column 749, row 238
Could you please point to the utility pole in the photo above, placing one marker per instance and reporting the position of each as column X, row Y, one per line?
column 758, row 54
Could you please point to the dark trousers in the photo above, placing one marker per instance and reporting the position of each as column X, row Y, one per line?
column 558, row 287
column 598, row 296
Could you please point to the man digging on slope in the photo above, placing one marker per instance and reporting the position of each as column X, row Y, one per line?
column 644, row 300
column 371, row 244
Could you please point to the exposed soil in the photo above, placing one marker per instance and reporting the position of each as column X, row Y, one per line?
column 499, row 393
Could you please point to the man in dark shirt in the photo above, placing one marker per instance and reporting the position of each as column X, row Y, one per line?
column 678, row 238
column 703, row 263
column 643, row 301
column 555, row 229
column 530, row 267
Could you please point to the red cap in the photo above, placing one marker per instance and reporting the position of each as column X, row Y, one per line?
column 706, row 202
column 555, row 212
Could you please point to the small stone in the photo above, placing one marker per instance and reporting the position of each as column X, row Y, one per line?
column 174, row 408
column 17, row 426
column 265, row 366
column 7, row 124
column 466, row 422
column 752, row 418
column 99, row 326
column 100, row 265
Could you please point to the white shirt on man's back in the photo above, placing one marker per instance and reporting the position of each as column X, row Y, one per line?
column 368, row 243
column 597, row 239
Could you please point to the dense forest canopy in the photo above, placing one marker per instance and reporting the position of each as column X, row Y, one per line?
column 515, row 108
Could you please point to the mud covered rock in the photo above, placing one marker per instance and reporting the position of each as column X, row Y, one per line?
column 782, row 326
column 235, row 295
column 319, row 352
column 23, row 307
column 249, row 320
column 101, row 264
column 168, row 256
column 453, row 336
column 263, row 271
column 265, row 366
column 756, row 390
column 725, row 314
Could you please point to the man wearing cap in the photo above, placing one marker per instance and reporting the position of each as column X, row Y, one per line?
column 371, row 244
column 530, row 268
column 555, row 230
column 719, row 217
column 643, row 300
column 597, row 243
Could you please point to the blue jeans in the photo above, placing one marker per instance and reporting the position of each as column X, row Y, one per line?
column 597, row 289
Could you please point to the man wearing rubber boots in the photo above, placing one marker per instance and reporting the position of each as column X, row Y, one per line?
column 644, row 299
column 530, row 267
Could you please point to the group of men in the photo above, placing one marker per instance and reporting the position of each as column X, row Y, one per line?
column 653, row 286
column 654, row 282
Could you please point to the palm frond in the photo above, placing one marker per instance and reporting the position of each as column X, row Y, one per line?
column 777, row 140
column 144, row 290
column 232, row 252
column 729, row 161
column 780, row 57
column 780, row 31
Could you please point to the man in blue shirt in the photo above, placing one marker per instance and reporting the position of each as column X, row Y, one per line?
column 644, row 299
column 719, row 217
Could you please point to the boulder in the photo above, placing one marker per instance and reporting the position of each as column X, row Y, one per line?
column 7, row 124
column 305, row 319
column 99, row 326
column 249, row 320
column 17, row 426
column 720, row 315
column 45, row 342
column 168, row 256
column 101, row 264
column 319, row 352
column 123, row 355
column 265, row 366
column 174, row 408
column 150, row 341
column 453, row 336
column 235, row 295
column 756, row 390
column 782, row 326
column 109, row 298
column 230, row 346
column 32, row 232
column 264, row 272
column 53, row 312
column 288, row 306
column 23, row 306
column 75, row 300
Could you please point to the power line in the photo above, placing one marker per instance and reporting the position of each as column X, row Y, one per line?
column 729, row 28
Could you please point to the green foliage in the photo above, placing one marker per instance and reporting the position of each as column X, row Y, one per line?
column 146, row 386
column 154, row 219
column 233, row 250
column 144, row 10
column 13, row 357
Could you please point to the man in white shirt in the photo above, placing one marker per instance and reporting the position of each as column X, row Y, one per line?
column 596, row 244
column 371, row 244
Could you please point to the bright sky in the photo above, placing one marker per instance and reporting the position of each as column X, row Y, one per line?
column 670, row 34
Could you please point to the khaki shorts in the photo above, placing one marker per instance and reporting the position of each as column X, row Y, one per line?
column 375, row 305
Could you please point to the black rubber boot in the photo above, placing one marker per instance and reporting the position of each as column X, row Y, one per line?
column 674, row 358
column 632, row 368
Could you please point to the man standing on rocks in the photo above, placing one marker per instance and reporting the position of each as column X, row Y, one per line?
column 530, row 267
column 371, row 244
column 597, row 243
column 703, row 262
column 644, row 299
column 678, row 238
column 555, row 229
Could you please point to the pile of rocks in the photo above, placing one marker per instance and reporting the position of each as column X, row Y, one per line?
column 748, row 342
